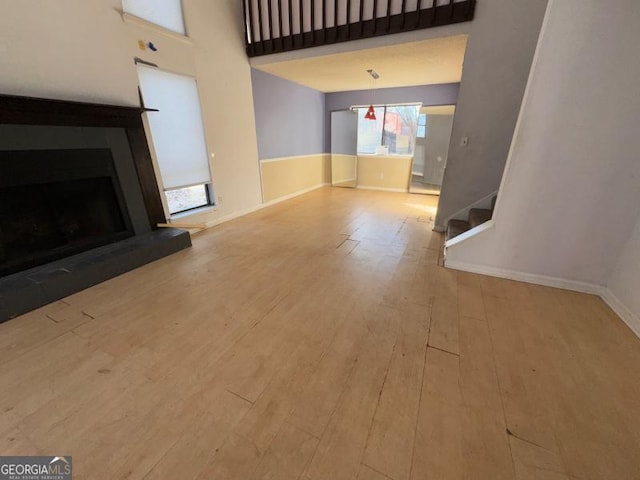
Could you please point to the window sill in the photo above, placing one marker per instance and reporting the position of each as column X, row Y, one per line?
column 195, row 211
column 141, row 22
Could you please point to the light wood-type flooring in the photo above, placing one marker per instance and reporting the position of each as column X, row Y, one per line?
column 319, row 339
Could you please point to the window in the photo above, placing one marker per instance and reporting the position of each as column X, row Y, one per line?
column 184, row 199
column 422, row 125
column 166, row 13
column 393, row 131
column 369, row 131
column 178, row 137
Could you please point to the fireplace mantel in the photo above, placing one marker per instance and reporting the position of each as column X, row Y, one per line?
column 17, row 110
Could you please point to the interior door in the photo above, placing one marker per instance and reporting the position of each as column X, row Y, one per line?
column 344, row 148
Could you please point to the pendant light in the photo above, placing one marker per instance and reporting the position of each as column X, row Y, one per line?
column 371, row 112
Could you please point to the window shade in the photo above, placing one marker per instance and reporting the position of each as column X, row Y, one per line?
column 176, row 129
column 166, row 13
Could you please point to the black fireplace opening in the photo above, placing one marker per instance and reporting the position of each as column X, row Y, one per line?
column 56, row 203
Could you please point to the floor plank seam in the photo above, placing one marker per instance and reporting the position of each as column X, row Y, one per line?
column 51, row 318
column 239, row 396
column 340, row 397
column 415, row 429
column 302, row 429
column 500, row 389
column 517, row 437
column 375, row 411
column 443, row 350
column 160, row 458
column 378, row 471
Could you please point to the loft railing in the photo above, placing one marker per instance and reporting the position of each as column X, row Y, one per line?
column 273, row 26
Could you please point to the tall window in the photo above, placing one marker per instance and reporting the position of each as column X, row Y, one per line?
column 178, row 137
column 165, row 13
column 394, row 130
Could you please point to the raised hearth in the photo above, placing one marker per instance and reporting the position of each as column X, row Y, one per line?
column 79, row 202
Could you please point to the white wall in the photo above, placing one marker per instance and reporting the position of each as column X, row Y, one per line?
column 68, row 49
column 501, row 44
column 83, row 50
column 224, row 80
column 570, row 193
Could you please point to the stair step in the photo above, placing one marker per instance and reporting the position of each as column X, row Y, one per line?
column 477, row 216
column 456, row 227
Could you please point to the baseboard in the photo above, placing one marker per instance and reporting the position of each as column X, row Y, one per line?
column 232, row 216
column 294, row 194
column 627, row 316
column 292, row 157
column 631, row 319
column 382, row 189
column 242, row 213
column 335, row 182
column 547, row 281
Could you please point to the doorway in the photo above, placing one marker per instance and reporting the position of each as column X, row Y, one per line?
column 432, row 147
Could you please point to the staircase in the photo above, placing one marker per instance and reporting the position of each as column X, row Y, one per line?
column 477, row 216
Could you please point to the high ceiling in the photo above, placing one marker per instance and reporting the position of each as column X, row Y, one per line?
column 437, row 60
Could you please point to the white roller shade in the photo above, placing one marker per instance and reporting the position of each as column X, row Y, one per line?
column 176, row 129
column 166, row 13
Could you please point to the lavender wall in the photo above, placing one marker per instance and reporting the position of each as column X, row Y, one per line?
column 289, row 117
column 441, row 94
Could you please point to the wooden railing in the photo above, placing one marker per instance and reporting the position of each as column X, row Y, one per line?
column 273, row 26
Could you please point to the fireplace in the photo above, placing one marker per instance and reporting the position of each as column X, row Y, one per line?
column 79, row 201
column 56, row 203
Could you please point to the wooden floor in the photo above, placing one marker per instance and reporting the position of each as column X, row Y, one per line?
column 319, row 339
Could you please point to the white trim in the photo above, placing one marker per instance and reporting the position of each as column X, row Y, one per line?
column 295, row 194
column 382, row 189
column 232, row 216
column 335, row 182
column 141, row 22
column 483, row 227
column 241, row 213
column 631, row 319
column 526, row 277
column 293, row 157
